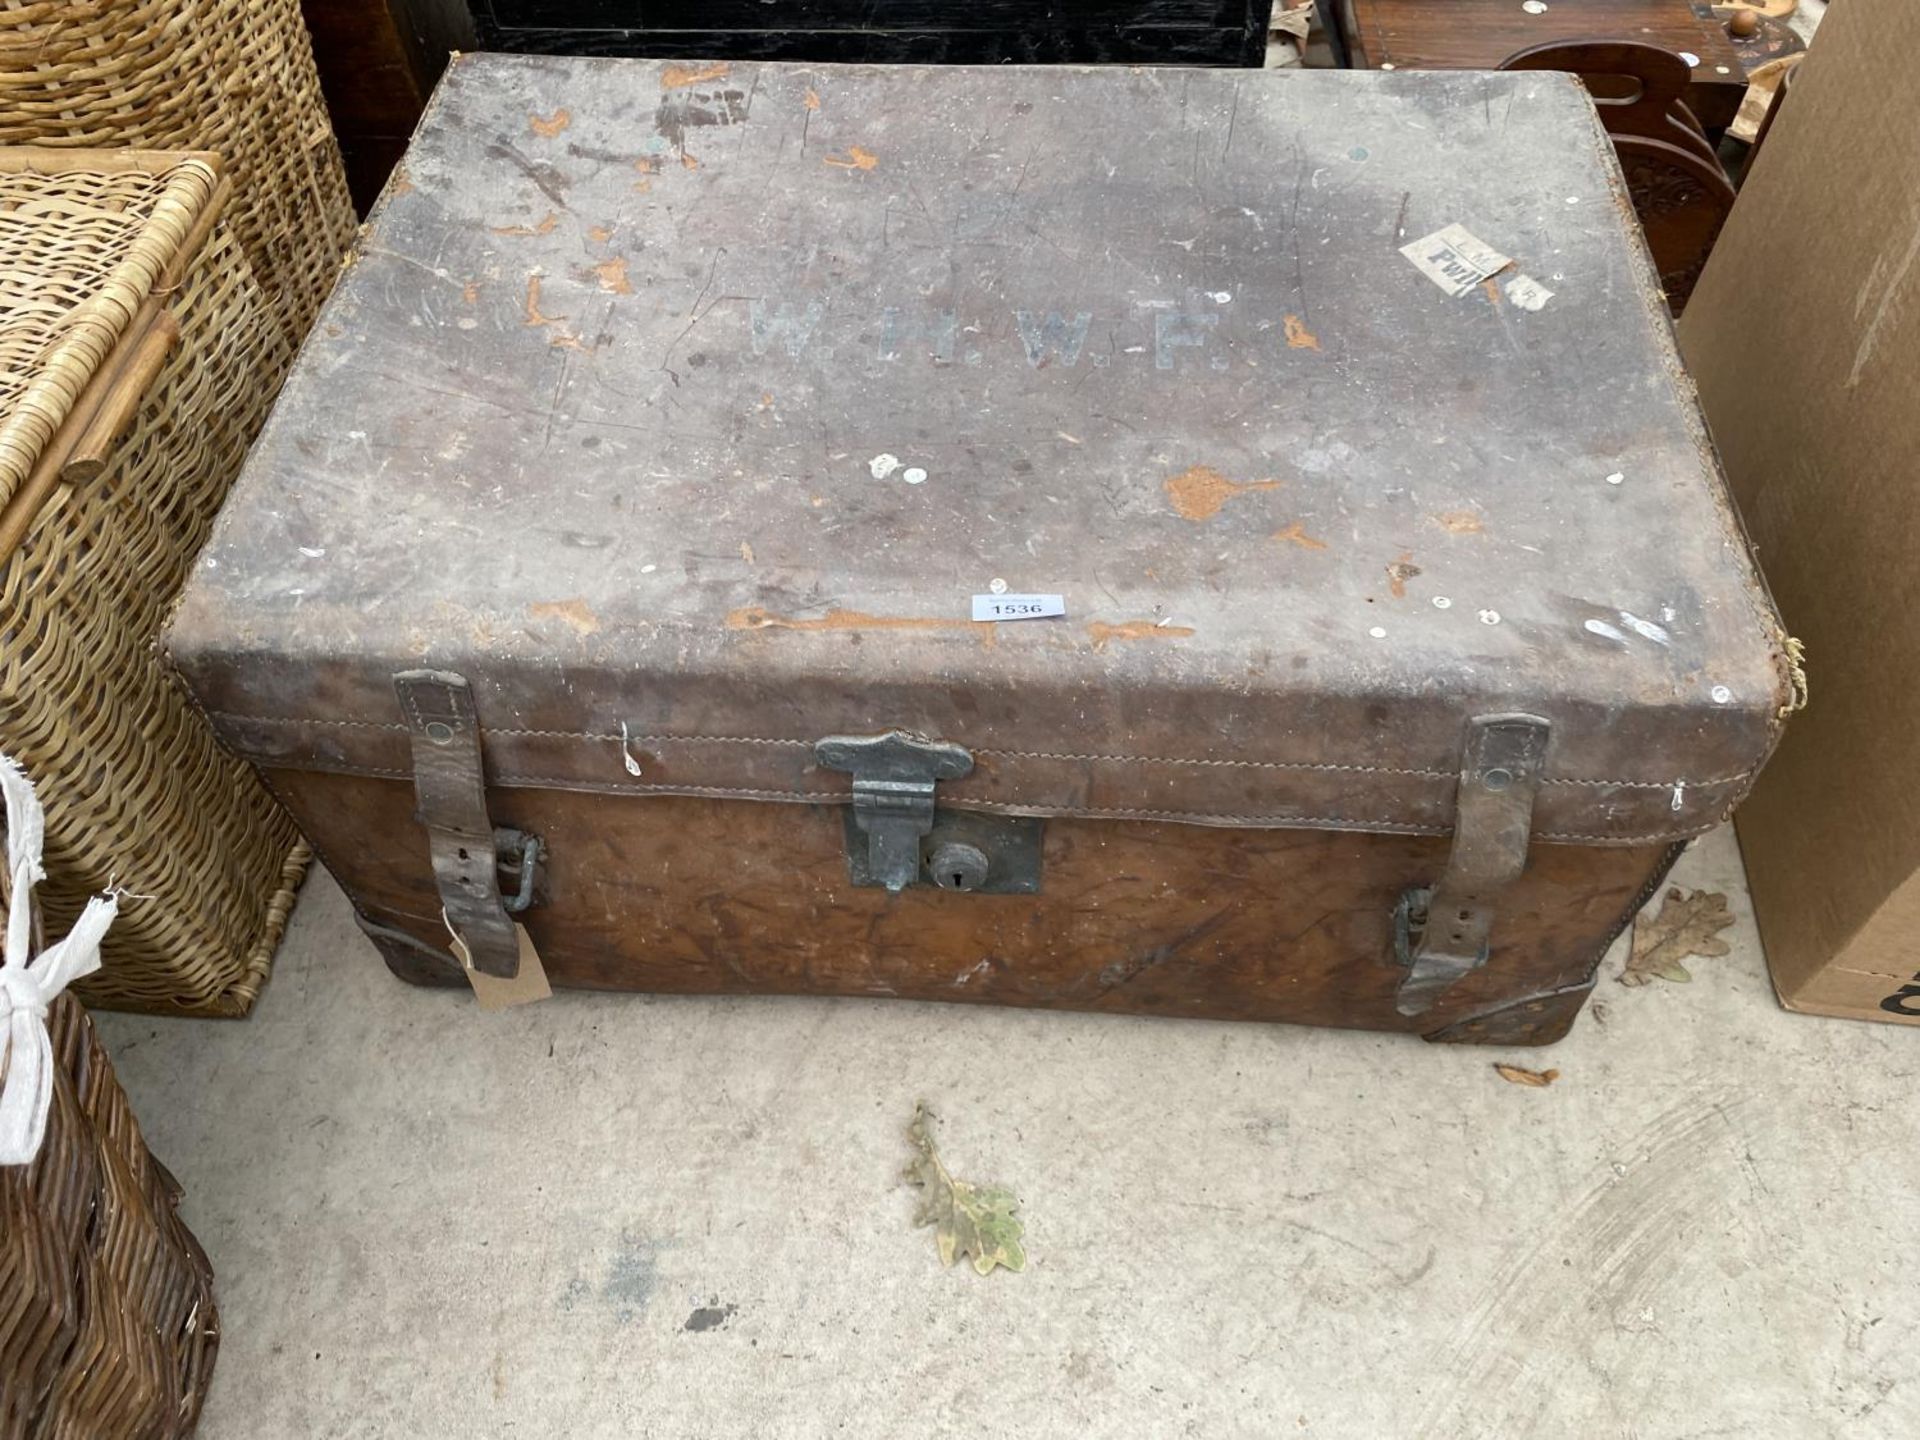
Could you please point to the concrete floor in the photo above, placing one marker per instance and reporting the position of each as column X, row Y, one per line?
column 633, row 1216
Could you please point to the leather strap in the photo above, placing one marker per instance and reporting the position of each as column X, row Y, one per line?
column 451, row 787
column 1493, row 825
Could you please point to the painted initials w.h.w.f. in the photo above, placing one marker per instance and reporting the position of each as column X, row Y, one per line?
column 793, row 329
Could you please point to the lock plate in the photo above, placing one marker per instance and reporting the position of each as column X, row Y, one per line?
column 1010, row 844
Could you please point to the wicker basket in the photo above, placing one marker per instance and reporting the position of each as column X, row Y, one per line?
column 232, row 76
column 108, row 1325
column 104, row 256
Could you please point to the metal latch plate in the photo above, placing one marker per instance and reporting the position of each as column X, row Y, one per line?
column 966, row 852
column 895, row 835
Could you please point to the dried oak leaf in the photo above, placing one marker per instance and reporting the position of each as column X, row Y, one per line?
column 1689, row 923
column 971, row 1220
column 1538, row 1079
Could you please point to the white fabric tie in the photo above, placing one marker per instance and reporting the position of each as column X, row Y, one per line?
column 27, row 990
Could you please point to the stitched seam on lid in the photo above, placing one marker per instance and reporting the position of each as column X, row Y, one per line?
column 1329, row 766
column 1316, row 767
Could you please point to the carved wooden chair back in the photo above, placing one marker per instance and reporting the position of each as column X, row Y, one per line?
column 1680, row 191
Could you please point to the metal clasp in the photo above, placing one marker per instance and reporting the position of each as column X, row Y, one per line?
column 893, row 783
column 517, row 855
column 1444, row 933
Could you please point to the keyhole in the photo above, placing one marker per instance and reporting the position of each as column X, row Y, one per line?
column 958, row 867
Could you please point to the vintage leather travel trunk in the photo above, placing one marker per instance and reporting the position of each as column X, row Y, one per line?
column 614, row 562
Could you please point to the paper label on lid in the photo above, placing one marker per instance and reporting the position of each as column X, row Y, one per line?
column 1455, row 259
column 1018, row 607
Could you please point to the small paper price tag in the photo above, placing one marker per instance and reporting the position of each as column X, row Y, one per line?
column 1018, row 607
column 494, row 993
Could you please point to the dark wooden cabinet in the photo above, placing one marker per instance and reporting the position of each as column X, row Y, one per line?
column 983, row 32
column 1482, row 34
column 378, row 61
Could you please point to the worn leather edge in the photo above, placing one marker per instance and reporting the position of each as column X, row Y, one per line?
column 638, row 739
column 1547, row 1017
column 1761, row 606
column 1539, row 1019
column 1273, row 821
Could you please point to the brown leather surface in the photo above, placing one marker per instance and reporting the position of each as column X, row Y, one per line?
column 695, row 896
column 552, row 435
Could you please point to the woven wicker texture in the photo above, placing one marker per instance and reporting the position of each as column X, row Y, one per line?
column 107, row 1325
column 136, row 790
column 232, row 76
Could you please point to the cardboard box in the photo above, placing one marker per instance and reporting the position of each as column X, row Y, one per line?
column 1804, row 336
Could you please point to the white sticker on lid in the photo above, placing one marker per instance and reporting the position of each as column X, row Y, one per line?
column 1527, row 293
column 1018, row 607
column 1455, row 259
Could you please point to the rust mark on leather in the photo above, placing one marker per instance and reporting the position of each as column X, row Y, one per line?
column 1296, row 534
column 1399, row 572
column 561, row 337
column 613, row 276
column 1299, row 337
column 1199, row 491
column 545, row 227
column 756, row 617
column 856, row 159
column 1102, row 631
column 1459, row 522
column 678, row 77
column 549, row 126
column 534, row 317
column 575, row 613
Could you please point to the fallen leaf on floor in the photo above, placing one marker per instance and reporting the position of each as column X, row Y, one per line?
column 1689, row 923
column 1538, row 1079
column 971, row 1220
